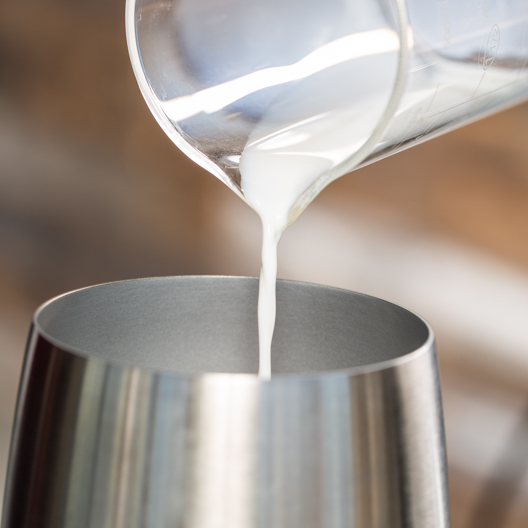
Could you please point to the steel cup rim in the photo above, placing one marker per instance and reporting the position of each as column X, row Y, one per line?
column 427, row 346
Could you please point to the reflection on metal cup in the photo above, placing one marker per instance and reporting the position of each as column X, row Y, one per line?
column 139, row 406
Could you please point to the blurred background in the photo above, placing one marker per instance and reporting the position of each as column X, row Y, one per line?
column 91, row 191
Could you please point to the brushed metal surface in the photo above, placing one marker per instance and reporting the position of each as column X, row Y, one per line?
column 126, row 417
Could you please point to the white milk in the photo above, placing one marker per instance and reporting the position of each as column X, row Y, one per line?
column 312, row 125
column 307, row 132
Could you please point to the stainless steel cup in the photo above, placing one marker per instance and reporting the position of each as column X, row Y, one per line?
column 139, row 407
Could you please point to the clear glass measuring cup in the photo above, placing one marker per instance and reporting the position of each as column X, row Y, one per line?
column 342, row 82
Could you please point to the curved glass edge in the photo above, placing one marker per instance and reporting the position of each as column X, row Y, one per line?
column 146, row 90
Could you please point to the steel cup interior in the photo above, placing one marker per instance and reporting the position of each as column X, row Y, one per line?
column 209, row 324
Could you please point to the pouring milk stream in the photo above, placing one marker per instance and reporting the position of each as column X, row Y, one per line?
column 282, row 160
column 291, row 149
column 279, row 98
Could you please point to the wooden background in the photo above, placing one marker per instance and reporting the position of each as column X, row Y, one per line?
column 92, row 191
